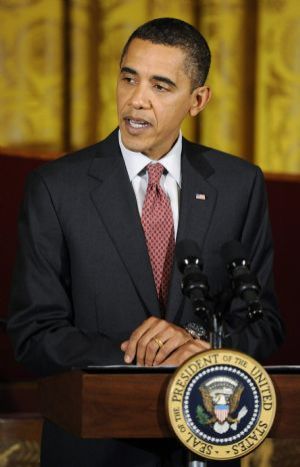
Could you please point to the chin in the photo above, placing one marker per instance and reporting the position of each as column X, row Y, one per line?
column 132, row 145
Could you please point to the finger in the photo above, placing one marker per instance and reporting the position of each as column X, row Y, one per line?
column 171, row 336
column 178, row 338
column 135, row 337
column 124, row 346
column 206, row 345
column 151, row 350
column 186, row 351
column 147, row 347
column 171, row 346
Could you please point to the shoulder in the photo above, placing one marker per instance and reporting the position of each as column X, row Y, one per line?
column 220, row 167
column 78, row 162
column 66, row 180
column 220, row 164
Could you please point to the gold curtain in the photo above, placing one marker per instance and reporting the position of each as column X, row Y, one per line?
column 31, row 77
column 59, row 63
column 227, row 121
column 277, row 115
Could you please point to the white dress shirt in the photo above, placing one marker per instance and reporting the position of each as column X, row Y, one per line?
column 170, row 181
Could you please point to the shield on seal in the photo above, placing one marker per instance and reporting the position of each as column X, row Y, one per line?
column 221, row 412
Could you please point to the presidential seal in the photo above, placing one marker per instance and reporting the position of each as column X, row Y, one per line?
column 221, row 404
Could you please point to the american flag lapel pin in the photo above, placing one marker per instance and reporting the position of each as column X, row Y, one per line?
column 201, row 196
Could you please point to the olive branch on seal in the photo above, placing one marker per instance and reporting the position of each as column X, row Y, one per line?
column 201, row 416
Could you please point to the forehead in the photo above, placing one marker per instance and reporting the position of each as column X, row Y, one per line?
column 154, row 59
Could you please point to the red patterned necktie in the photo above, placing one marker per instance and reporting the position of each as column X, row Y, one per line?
column 157, row 221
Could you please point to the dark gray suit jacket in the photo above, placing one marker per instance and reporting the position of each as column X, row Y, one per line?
column 83, row 280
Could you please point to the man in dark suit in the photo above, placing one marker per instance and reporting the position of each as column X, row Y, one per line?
column 85, row 289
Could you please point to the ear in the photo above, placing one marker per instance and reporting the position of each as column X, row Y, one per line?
column 200, row 98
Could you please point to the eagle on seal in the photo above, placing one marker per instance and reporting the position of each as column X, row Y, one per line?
column 221, row 404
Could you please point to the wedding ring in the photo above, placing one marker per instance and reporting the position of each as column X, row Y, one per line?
column 158, row 342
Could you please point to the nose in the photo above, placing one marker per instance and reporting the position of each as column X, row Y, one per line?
column 140, row 98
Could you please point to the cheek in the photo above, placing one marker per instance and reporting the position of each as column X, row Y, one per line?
column 171, row 116
column 122, row 97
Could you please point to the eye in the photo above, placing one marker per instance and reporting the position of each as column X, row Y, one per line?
column 160, row 88
column 128, row 79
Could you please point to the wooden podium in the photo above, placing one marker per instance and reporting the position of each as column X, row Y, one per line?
column 132, row 405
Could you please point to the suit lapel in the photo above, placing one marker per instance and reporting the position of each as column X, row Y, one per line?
column 116, row 205
column 195, row 213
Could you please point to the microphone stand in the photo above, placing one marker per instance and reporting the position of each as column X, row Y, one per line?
column 216, row 334
column 216, row 340
column 193, row 460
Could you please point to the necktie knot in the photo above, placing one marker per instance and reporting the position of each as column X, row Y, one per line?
column 155, row 172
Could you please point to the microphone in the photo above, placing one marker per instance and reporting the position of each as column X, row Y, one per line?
column 244, row 283
column 194, row 284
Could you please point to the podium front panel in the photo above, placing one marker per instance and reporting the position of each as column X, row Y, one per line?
column 132, row 405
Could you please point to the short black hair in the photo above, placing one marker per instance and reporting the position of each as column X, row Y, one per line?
column 177, row 33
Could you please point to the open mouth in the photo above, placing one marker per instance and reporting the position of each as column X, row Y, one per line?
column 137, row 124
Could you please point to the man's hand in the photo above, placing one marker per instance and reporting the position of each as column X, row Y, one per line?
column 157, row 341
column 192, row 347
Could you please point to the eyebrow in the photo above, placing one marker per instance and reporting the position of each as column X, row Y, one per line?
column 163, row 79
column 126, row 69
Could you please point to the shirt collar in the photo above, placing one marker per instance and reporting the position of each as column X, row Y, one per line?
column 136, row 161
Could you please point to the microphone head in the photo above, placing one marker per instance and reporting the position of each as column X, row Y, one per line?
column 233, row 251
column 188, row 253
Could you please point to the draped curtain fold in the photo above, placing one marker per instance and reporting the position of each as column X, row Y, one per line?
column 59, row 62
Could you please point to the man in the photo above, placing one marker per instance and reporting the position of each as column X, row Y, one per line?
column 94, row 282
